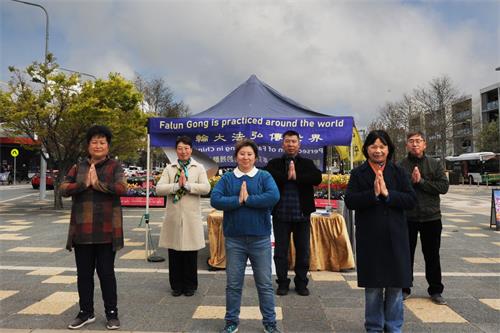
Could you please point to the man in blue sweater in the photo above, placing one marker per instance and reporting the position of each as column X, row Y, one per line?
column 295, row 177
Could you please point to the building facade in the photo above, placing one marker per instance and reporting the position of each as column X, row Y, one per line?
column 489, row 103
column 463, row 133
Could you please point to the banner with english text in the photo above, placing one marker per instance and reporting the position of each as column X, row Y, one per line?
column 217, row 137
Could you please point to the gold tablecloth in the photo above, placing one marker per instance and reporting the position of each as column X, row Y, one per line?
column 330, row 246
column 216, row 240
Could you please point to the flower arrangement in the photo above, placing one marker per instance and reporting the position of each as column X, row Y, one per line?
column 136, row 186
column 337, row 181
column 338, row 184
column 213, row 180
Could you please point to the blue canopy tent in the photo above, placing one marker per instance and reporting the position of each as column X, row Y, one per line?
column 257, row 99
column 246, row 113
column 253, row 110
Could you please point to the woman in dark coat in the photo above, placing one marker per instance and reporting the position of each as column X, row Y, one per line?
column 380, row 192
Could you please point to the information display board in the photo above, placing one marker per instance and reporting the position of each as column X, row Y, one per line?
column 495, row 209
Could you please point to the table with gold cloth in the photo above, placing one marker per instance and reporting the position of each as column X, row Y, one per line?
column 330, row 246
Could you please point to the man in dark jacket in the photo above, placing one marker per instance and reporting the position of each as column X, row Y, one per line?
column 429, row 181
column 295, row 177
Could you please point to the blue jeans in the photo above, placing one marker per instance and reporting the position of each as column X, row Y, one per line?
column 383, row 313
column 238, row 250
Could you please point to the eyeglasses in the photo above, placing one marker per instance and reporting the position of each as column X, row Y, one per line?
column 417, row 141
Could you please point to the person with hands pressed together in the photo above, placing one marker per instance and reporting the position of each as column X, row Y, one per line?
column 379, row 192
column 296, row 177
column 96, row 225
column 247, row 195
column 183, row 182
column 429, row 181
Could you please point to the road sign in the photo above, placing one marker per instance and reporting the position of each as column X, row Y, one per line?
column 14, row 152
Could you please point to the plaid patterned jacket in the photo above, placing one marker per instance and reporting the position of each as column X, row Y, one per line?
column 96, row 213
column 308, row 176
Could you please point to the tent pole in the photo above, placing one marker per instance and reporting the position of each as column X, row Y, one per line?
column 329, row 166
column 148, row 153
column 148, row 174
column 351, row 151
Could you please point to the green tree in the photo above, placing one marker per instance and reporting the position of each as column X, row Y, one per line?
column 58, row 110
column 489, row 139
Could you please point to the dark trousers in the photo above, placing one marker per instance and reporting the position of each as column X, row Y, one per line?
column 182, row 266
column 100, row 257
column 430, row 238
column 301, row 239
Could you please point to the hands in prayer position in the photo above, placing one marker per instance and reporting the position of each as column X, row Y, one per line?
column 415, row 176
column 243, row 192
column 379, row 185
column 182, row 179
column 291, row 171
column 92, row 176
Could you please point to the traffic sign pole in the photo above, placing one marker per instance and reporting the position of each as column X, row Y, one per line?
column 14, row 153
column 15, row 158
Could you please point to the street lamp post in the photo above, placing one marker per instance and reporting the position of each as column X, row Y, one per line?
column 43, row 162
column 46, row 24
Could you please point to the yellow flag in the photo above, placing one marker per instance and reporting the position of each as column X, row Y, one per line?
column 357, row 145
column 343, row 151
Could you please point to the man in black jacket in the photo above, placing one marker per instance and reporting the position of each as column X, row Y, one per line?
column 429, row 181
column 295, row 177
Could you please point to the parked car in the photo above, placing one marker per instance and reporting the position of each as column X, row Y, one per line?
column 133, row 171
column 49, row 179
column 7, row 177
column 4, row 177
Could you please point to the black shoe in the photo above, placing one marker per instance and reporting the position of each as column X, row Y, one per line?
column 113, row 324
column 302, row 291
column 189, row 292
column 271, row 329
column 282, row 290
column 176, row 293
column 438, row 299
column 283, row 287
column 81, row 320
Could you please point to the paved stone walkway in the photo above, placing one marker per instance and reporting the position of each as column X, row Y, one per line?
column 38, row 279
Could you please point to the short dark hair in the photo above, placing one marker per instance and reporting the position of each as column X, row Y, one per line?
column 246, row 143
column 185, row 140
column 419, row 133
column 291, row 133
column 99, row 130
column 382, row 136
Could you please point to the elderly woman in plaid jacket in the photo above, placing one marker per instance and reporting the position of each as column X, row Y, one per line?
column 95, row 230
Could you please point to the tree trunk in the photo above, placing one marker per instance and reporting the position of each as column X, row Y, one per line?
column 58, row 203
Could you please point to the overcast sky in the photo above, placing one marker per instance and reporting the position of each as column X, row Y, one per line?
column 335, row 57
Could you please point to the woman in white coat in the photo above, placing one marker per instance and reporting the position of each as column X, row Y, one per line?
column 182, row 233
